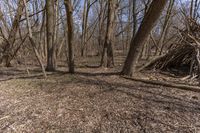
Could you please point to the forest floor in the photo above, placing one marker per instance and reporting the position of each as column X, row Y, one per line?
column 93, row 100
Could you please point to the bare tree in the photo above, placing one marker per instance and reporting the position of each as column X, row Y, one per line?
column 32, row 40
column 9, row 43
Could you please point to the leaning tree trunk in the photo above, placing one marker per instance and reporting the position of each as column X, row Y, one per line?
column 138, row 41
column 70, row 34
column 51, row 59
column 32, row 40
column 107, row 55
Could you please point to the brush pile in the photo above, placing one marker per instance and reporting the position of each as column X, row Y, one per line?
column 183, row 58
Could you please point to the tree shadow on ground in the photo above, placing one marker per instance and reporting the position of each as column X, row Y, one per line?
column 147, row 94
column 152, row 94
column 155, row 95
column 97, row 74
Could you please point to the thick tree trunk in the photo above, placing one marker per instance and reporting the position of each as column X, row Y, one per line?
column 138, row 41
column 70, row 34
column 51, row 57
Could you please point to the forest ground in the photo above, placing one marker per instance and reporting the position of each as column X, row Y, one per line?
column 93, row 100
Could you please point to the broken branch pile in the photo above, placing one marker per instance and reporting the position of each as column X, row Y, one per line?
column 184, row 56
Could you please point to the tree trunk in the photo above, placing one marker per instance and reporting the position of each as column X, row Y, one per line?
column 101, row 15
column 51, row 59
column 84, row 28
column 70, row 34
column 107, row 56
column 138, row 41
column 134, row 18
column 191, row 8
column 165, row 28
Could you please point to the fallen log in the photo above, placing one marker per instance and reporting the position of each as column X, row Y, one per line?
column 166, row 84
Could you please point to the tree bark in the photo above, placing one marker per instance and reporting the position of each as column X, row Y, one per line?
column 51, row 57
column 107, row 56
column 138, row 41
column 70, row 34
column 134, row 18
column 84, row 27
column 101, row 15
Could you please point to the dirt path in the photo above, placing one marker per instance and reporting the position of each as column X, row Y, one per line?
column 95, row 102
